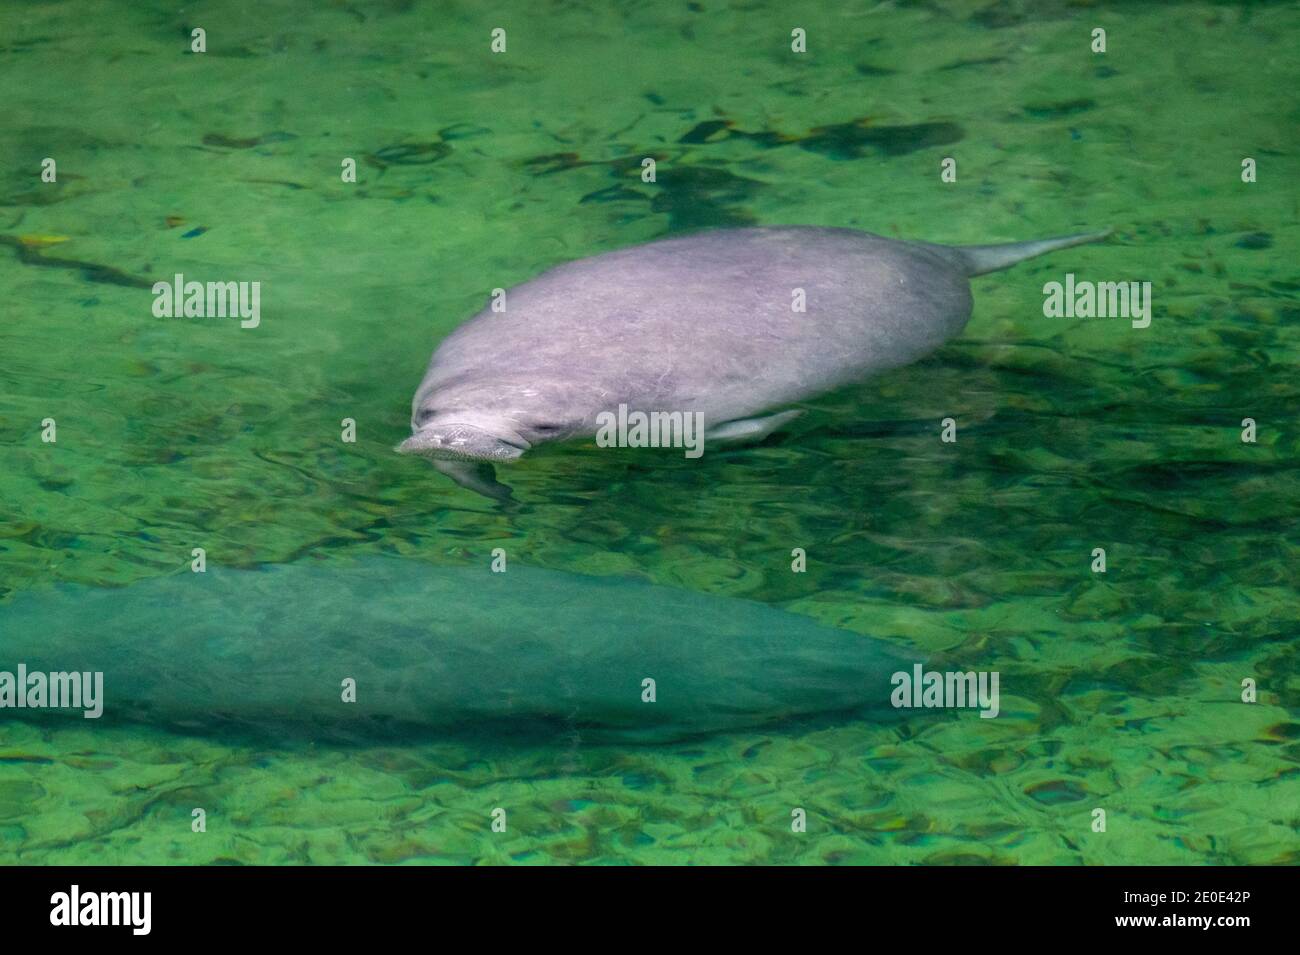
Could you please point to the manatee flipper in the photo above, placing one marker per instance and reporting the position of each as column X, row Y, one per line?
column 477, row 476
column 750, row 429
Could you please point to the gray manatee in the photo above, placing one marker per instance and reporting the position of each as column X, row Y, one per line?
column 439, row 649
column 703, row 323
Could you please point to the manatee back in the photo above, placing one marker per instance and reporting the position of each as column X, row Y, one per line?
column 707, row 322
column 439, row 647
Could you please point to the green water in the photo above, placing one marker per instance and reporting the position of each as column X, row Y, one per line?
column 1121, row 691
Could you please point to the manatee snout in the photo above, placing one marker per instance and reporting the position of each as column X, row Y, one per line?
column 462, row 442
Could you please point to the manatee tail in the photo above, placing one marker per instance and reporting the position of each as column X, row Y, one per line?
column 978, row 259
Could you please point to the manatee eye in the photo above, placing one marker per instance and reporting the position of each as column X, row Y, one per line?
column 546, row 428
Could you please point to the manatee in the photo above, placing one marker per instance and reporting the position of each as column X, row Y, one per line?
column 439, row 650
column 702, row 324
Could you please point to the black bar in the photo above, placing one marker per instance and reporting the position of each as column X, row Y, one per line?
column 333, row 905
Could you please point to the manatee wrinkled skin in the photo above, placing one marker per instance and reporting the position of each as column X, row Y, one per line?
column 702, row 323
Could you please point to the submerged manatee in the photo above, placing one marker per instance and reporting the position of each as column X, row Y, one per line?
column 702, row 323
column 439, row 648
